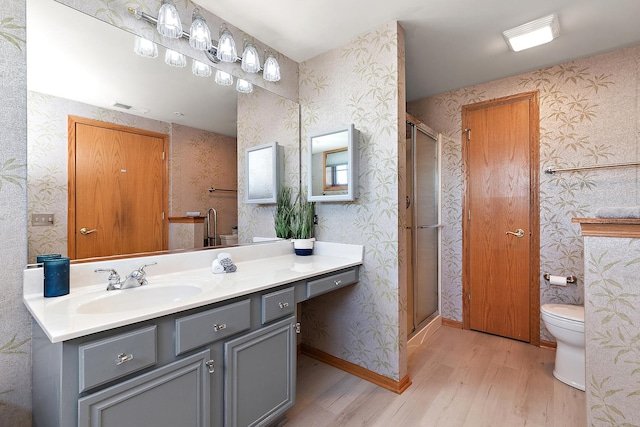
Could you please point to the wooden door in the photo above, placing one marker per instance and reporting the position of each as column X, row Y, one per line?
column 117, row 190
column 501, row 231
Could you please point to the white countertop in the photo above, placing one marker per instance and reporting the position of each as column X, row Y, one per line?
column 89, row 308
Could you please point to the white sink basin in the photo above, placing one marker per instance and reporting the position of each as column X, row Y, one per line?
column 137, row 298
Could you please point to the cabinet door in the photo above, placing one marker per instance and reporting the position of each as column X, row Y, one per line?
column 260, row 375
column 174, row 395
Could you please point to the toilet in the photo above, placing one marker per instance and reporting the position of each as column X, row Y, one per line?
column 566, row 323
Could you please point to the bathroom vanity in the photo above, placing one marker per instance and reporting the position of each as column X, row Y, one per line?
column 190, row 348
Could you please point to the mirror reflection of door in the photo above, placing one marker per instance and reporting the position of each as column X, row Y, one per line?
column 117, row 189
column 336, row 163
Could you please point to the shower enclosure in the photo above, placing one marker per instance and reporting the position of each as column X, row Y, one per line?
column 423, row 224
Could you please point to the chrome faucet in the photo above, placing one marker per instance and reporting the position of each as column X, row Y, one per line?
column 133, row 280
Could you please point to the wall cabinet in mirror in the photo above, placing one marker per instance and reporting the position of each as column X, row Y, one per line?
column 264, row 166
column 333, row 165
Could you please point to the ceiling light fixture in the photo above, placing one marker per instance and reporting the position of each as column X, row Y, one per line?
column 534, row 33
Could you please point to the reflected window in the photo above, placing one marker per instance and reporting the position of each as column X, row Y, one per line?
column 336, row 176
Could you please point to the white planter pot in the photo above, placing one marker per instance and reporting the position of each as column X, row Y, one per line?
column 303, row 246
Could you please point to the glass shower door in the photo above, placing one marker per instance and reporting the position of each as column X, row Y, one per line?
column 424, row 212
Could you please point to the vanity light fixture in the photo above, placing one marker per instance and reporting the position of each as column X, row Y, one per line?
column 223, row 78
column 244, row 86
column 145, row 48
column 168, row 23
column 534, row 33
column 200, row 69
column 175, row 59
column 271, row 71
column 199, row 34
column 226, row 46
column 250, row 59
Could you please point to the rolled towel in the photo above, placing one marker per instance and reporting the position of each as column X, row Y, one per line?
column 619, row 212
column 231, row 269
column 223, row 255
column 216, row 268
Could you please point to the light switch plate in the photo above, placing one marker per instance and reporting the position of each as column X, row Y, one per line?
column 42, row 219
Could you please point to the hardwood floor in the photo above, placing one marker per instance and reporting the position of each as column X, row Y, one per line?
column 460, row 378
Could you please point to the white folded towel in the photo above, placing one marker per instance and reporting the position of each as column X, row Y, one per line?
column 619, row 212
column 216, row 268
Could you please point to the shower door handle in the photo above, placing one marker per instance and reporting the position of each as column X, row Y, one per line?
column 518, row 233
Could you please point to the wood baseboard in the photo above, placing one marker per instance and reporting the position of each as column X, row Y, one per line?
column 547, row 344
column 351, row 368
column 451, row 323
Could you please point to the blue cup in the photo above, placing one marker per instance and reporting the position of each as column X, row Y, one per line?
column 56, row 276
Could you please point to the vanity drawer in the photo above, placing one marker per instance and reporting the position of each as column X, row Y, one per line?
column 203, row 328
column 104, row 360
column 278, row 304
column 329, row 283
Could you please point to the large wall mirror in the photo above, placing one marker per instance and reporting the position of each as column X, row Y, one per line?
column 81, row 66
column 333, row 162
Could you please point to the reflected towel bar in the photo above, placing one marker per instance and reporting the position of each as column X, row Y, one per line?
column 552, row 171
column 211, row 190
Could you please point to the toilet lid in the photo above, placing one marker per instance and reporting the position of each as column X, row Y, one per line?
column 573, row 312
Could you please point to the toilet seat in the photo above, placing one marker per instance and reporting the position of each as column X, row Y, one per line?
column 564, row 311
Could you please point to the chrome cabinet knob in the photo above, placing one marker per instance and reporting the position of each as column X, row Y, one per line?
column 123, row 358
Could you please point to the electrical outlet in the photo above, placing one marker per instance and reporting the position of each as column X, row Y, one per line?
column 315, row 219
column 42, row 219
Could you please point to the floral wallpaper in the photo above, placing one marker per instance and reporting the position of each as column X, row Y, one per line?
column 15, row 321
column 588, row 115
column 360, row 83
column 612, row 314
column 265, row 117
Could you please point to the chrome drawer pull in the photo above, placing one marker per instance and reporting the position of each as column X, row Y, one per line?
column 123, row 358
column 283, row 305
column 211, row 365
column 219, row 327
column 337, row 282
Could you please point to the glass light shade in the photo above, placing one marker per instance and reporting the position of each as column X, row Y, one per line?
column 169, row 24
column 200, row 69
column 250, row 59
column 223, row 78
column 175, row 59
column 145, row 48
column 244, row 86
column 226, row 51
column 199, row 34
column 271, row 71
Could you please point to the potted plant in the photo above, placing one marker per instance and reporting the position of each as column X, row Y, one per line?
column 302, row 222
column 284, row 211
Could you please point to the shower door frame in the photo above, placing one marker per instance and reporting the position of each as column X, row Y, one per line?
column 421, row 127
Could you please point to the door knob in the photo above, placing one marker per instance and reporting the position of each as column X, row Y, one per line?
column 518, row 233
column 85, row 231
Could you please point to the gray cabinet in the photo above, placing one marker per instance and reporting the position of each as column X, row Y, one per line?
column 175, row 395
column 260, row 375
column 157, row 372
